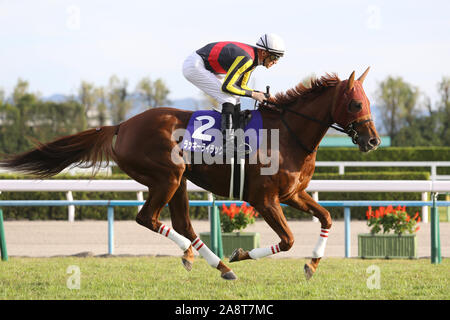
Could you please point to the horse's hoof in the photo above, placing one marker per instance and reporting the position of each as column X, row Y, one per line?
column 187, row 264
column 236, row 255
column 309, row 271
column 229, row 275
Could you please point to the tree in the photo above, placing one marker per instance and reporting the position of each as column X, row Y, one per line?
column 398, row 104
column 86, row 94
column 444, row 108
column 102, row 108
column 2, row 96
column 153, row 94
column 27, row 117
column 117, row 98
column 20, row 90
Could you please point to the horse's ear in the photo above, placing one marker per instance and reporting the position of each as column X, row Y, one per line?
column 363, row 76
column 351, row 81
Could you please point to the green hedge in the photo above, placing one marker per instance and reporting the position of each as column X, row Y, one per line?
column 384, row 154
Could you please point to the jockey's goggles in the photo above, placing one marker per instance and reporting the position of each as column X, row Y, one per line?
column 274, row 57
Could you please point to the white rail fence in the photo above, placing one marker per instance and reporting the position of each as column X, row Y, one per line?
column 315, row 186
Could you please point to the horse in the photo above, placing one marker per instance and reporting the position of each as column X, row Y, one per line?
column 143, row 147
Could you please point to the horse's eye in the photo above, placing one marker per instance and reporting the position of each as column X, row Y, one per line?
column 355, row 106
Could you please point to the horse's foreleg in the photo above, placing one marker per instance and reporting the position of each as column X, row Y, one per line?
column 304, row 202
column 273, row 215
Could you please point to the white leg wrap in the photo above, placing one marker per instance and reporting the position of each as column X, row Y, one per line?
column 264, row 252
column 204, row 251
column 319, row 250
column 181, row 241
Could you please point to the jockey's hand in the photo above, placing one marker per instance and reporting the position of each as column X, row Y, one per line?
column 259, row 96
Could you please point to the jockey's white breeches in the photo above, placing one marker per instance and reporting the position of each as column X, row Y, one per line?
column 194, row 70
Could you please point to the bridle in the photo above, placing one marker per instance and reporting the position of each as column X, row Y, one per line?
column 350, row 129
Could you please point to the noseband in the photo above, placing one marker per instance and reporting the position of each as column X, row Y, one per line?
column 350, row 130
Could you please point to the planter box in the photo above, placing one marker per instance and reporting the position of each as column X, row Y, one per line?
column 387, row 246
column 234, row 240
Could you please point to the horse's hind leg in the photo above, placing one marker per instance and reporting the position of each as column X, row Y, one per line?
column 179, row 214
column 181, row 222
column 148, row 216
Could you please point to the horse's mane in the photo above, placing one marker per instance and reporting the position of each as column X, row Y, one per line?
column 316, row 87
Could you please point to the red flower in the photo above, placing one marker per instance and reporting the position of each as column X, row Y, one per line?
column 226, row 210
column 369, row 213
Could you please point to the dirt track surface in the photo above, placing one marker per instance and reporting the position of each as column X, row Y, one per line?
column 62, row 238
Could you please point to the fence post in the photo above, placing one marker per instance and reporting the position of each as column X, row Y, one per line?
column 219, row 233
column 436, row 257
column 315, row 196
column 3, row 239
column 447, row 198
column 347, row 232
column 71, row 208
column 110, row 230
column 424, row 208
column 214, row 226
column 140, row 197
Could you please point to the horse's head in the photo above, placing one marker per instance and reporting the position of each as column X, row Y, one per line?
column 352, row 112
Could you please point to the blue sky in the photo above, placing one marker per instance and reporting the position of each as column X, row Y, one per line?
column 57, row 44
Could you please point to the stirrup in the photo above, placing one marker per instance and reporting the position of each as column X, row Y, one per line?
column 247, row 147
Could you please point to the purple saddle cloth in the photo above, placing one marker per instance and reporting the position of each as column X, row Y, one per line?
column 203, row 133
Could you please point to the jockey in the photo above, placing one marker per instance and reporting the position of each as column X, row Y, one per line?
column 222, row 70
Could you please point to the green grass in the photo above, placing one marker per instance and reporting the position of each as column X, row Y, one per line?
column 264, row 279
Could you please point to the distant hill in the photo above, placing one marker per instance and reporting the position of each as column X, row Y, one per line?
column 56, row 98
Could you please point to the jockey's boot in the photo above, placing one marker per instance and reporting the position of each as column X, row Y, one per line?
column 227, row 125
column 241, row 146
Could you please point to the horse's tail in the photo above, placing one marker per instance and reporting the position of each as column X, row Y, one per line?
column 88, row 148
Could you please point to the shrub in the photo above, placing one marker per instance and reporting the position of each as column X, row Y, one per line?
column 390, row 219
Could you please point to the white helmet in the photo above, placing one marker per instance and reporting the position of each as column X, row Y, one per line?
column 272, row 43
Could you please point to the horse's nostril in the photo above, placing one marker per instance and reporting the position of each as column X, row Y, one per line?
column 374, row 142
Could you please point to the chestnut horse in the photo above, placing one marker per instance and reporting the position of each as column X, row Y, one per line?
column 144, row 144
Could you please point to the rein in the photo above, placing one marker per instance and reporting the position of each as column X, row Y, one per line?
column 350, row 130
